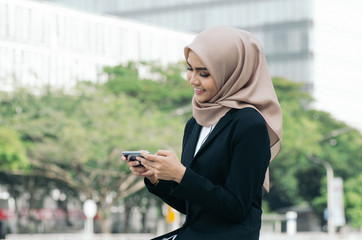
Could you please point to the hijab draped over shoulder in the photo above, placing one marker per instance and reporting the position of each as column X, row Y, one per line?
column 237, row 63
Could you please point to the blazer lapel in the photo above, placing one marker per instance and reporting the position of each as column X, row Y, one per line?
column 190, row 147
column 218, row 128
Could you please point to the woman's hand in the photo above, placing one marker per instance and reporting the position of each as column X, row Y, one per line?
column 141, row 171
column 164, row 164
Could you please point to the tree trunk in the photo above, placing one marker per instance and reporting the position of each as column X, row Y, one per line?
column 105, row 220
column 128, row 208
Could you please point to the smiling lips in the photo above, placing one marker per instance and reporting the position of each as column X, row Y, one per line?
column 199, row 91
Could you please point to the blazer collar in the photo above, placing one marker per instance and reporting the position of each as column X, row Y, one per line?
column 194, row 137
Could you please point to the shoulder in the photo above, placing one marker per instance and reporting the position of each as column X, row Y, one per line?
column 248, row 123
column 190, row 123
column 188, row 127
column 247, row 117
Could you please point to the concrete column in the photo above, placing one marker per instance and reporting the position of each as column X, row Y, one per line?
column 291, row 223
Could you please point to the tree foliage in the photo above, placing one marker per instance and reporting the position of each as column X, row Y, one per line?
column 311, row 133
column 162, row 86
column 75, row 140
column 353, row 200
column 12, row 151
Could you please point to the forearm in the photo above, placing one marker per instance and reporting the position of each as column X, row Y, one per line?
column 162, row 190
column 214, row 198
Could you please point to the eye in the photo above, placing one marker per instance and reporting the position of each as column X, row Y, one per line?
column 189, row 68
column 205, row 75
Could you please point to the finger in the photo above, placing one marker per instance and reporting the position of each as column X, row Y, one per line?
column 149, row 157
column 163, row 152
column 146, row 155
column 152, row 166
column 134, row 171
column 148, row 173
column 138, row 170
column 133, row 163
column 146, row 163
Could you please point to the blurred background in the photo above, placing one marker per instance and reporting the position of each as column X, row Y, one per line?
column 81, row 81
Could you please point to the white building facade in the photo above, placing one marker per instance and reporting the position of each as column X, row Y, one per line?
column 282, row 26
column 42, row 44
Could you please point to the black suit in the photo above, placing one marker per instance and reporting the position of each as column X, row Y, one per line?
column 221, row 191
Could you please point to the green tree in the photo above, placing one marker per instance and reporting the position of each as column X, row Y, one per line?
column 12, row 152
column 300, row 138
column 353, row 200
column 308, row 132
column 167, row 89
column 76, row 140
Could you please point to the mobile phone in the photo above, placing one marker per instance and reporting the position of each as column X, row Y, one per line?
column 131, row 155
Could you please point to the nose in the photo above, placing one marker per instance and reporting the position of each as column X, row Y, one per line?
column 194, row 79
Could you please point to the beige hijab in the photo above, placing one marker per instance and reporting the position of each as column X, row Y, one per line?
column 237, row 63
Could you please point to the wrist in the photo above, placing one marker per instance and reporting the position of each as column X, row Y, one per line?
column 181, row 174
column 154, row 181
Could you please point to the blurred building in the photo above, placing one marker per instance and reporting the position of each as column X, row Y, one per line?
column 316, row 42
column 43, row 44
column 282, row 26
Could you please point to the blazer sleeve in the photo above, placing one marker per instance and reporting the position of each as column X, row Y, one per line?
column 163, row 188
column 250, row 159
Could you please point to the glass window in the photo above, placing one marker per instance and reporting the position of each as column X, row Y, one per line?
column 36, row 26
column 22, row 16
column 60, row 30
column 304, row 41
column 4, row 20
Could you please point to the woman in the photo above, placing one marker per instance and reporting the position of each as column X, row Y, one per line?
column 234, row 133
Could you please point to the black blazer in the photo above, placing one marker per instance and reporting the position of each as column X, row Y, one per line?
column 221, row 191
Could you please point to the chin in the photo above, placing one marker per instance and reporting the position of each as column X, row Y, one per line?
column 201, row 100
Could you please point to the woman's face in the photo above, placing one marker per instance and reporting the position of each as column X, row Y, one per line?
column 200, row 78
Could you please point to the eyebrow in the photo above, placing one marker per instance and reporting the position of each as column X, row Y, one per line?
column 198, row 68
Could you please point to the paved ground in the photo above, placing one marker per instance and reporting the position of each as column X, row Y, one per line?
column 264, row 236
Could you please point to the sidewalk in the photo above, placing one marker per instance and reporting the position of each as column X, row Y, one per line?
column 79, row 236
column 310, row 236
column 264, row 236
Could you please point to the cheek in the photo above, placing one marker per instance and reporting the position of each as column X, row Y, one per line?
column 214, row 86
column 211, row 86
column 213, row 92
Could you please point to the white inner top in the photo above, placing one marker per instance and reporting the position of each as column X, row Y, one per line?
column 204, row 134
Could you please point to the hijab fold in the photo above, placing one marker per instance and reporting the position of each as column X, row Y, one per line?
column 237, row 63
